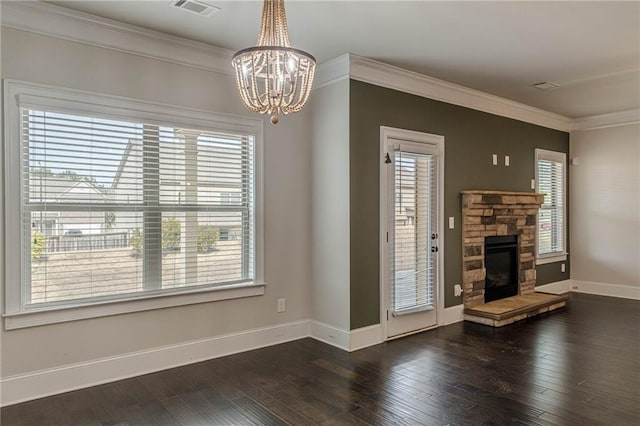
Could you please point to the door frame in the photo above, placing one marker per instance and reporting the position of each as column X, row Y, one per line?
column 411, row 136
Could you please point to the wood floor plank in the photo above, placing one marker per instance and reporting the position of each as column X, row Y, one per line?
column 576, row 366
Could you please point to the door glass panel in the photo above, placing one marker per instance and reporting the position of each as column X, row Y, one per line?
column 413, row 261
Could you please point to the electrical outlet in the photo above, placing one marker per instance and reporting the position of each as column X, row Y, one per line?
column 452, row 222
column 282, row 305
column 457, row 290
column 494, row 159
column 533, row 184
column 506, row 160
column 563, row 267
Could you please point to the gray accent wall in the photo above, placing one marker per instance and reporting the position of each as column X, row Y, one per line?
column 471, row 137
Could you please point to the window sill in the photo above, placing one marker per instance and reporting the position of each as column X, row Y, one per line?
column 73, row 313
column 551, row 259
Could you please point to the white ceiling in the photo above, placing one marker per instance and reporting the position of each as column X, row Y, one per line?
column 592, row 49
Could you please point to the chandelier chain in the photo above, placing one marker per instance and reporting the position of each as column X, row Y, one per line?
column 273, row 29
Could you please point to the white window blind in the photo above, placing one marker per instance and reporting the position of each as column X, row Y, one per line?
column 551, row 181
column 118, row 208
column 412, row 264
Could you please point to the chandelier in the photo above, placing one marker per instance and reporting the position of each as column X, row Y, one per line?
column 274, row 78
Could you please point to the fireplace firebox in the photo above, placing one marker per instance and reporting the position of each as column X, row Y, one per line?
column 501, row 263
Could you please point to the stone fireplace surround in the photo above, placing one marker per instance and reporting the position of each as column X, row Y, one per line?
column 496, row 213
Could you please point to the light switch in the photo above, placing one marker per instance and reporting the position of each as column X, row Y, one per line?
column 533, row 184
column 506, row 160
column 452, row 223
column 495, row 159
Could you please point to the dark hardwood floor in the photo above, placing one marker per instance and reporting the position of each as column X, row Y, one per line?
column 576, row 366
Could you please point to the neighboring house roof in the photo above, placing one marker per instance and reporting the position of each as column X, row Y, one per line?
column 123, row 161
column 59, row 189
column 210, row 173
column 83, row 190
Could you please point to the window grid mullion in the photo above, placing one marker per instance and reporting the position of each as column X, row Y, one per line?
column 246, row 226
column 152, row 217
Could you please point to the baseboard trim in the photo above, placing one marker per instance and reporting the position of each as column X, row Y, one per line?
column 559, row 287
column 606, row 289
column 25, row 387
column 38, row 384
column 330, row 335
column 364, row 337
column 452, row 315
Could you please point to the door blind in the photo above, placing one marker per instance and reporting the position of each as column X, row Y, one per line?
column 114, row 208
column 413, row 221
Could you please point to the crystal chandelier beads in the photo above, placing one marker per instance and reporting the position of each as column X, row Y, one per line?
column 273, row 77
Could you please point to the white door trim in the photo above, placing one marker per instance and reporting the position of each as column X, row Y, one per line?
column 387, row 133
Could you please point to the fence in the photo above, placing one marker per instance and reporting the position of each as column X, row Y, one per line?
column 104, row 241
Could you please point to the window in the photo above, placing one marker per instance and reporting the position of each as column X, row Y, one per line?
column 128, row 207
column 230, row 198
column 551, row 181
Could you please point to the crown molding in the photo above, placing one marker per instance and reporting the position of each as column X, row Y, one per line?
column 59, row 22
column 621, row 118
column 392, row 77
column 331, row 71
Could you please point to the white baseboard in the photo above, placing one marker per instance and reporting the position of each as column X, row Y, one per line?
column 559, row 287
column 330, row 335
column 605, row 289
column 38, row 384
column 25, row 387
column 364, row 337
column 451, row 315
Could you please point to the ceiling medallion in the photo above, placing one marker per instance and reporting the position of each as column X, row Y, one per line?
column 273, row 77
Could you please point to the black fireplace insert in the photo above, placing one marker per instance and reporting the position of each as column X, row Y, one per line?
column 501, row 263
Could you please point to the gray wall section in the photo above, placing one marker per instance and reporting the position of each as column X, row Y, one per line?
column 471, row 137
column 287, row 257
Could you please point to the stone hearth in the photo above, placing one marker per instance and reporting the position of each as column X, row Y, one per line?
column 497, row 213
column 511, row 309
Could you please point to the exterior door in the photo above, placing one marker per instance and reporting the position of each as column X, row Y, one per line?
column 411, row 238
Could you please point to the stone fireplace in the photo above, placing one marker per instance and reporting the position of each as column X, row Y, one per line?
column 511, row 215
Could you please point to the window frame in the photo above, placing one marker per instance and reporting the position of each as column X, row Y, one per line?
column 560, row 157
column 21, row 94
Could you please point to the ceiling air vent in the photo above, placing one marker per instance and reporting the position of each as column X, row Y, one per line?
column 199, row 7
column 545, row 85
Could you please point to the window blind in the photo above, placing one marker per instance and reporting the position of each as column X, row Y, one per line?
column 116, row 208
column 551, row 222
column 412, row 263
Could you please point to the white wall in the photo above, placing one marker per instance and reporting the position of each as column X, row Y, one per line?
column 330, row 207
column 35, row 58
column 605, row 210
